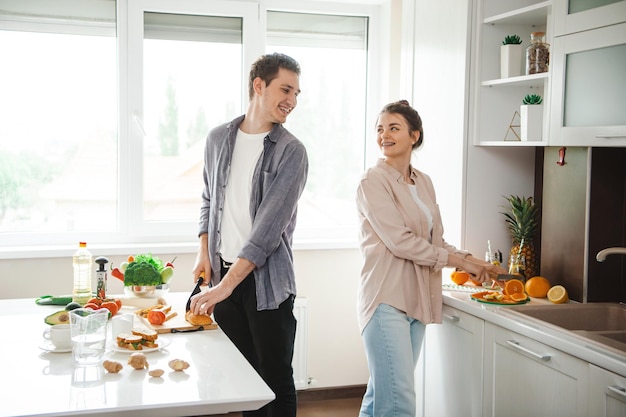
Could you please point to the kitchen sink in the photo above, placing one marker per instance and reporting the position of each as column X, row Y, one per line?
column 573, row 316
column 602, row 322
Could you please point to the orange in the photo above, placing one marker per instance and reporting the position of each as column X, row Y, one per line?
column 518, row 297
column 459, row 277
column 513, row 286
column 558, row 294
column 475, row 282
column 537, row 287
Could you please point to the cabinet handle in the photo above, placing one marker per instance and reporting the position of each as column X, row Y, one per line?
column 452, row 318
column 610, row 136
column 514, row 344
column 618, row 390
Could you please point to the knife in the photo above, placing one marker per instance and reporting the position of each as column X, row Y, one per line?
column 195, row 291
column 506, row 277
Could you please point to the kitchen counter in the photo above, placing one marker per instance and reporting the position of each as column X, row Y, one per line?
column 566, row 341
column 42, row 383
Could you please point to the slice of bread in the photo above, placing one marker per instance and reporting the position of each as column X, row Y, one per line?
column 149, row 335
column 198, row 320
column 129, row 341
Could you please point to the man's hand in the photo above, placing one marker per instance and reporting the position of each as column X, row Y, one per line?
column 204, row 302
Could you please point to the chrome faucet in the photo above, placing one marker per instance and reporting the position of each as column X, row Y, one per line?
column 601, row 256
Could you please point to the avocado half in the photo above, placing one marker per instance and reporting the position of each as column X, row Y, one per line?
column 60, row 317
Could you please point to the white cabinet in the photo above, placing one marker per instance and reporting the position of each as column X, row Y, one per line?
column 526, row 378
column 494, row 102
column 588, row 87
column 607, row 393
column 451, row 384
column 571, row 16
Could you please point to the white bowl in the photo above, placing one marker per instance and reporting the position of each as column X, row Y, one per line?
column 148, row 291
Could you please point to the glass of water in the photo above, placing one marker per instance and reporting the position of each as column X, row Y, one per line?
column 89, row 331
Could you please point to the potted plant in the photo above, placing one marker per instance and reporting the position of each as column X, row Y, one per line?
column 511, row 54
column 531, row 118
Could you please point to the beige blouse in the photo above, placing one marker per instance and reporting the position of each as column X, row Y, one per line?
column 401, row 267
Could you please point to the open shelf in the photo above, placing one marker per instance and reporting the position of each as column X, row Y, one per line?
column 524, row 16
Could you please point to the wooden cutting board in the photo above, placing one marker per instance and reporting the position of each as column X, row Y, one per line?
column 176, row 323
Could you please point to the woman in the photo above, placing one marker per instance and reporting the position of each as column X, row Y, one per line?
column 404, row 252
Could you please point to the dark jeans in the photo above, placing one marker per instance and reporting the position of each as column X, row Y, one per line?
column 266, row 339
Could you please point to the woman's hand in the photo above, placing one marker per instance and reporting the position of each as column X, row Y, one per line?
column 482, row 271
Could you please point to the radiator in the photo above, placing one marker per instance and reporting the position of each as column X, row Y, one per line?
column 301, row 345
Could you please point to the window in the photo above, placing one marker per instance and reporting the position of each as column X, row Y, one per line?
column 104, row 130
column 58, row 136
column 330, row 117
column 192, row 69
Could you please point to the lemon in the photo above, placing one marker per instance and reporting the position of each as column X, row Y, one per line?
column 558, row 294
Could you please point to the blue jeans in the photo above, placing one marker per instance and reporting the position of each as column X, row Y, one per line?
column 393, row 342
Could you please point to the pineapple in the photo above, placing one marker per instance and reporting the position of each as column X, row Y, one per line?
column 522, row 224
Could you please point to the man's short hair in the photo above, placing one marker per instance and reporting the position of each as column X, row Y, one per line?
column 266, row 68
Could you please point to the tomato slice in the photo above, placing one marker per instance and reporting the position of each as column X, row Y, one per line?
column 156, row 317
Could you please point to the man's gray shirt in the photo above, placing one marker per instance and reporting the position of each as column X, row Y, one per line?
column 277, row 184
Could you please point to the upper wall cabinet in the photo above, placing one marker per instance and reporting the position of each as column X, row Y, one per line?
column 572, row 16
column 589, row 82
column 496, row 94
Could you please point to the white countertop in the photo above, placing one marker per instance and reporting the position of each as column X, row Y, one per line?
column 37, row 382
column 586, row 349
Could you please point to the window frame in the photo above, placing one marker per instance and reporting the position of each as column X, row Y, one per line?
column 180, row 237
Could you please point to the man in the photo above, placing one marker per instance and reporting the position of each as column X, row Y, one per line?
column 254, row 173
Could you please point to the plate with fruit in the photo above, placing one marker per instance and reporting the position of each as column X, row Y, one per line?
column 512, row 293
column 496, row 297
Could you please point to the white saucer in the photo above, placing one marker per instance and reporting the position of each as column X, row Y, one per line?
column 49, row 347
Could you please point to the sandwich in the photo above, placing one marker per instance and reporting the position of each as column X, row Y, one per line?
column 139, row 339
column 129, row 341
column 148, row 337
column 198, row 319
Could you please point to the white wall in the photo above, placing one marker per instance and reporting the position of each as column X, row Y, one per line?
column 328, row 278
column 439, row 86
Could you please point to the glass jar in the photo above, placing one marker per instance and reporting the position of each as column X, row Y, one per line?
column 537, row 54
column 517, row 266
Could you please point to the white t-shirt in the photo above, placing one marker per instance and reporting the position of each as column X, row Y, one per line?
column 420, row 203
column 236, row 220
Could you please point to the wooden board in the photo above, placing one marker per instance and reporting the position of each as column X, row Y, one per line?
column 177, row 323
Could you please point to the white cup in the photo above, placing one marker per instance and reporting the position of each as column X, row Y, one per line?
column 122, row 323
column 59, row 335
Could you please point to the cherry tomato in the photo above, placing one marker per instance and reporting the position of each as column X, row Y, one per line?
column 111, row 306
column 97, row 301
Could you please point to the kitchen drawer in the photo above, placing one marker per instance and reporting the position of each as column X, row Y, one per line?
column 524, row 377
